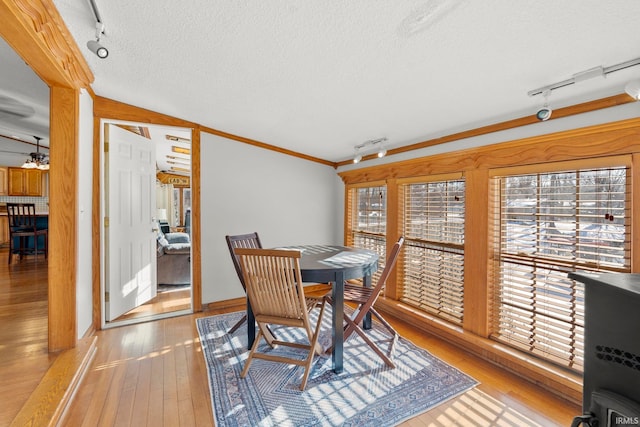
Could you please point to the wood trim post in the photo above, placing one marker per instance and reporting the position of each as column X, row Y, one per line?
column 476, row 250
column 63, row 227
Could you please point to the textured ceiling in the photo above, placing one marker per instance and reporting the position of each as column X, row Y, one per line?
column 320, row 77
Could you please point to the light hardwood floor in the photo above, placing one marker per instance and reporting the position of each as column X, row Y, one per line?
column 154, row 374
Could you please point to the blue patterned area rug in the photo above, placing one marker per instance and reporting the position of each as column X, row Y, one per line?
column 366, row 393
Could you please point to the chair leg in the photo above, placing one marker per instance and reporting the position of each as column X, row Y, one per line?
column 313, row 349
column 254, row 347
column 355, row 328
column 237, row 325
column 10, row 248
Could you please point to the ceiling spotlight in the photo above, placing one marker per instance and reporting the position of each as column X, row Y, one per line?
column 382, row 151
column 633, row 89
column 544, row 113
column 95, row 46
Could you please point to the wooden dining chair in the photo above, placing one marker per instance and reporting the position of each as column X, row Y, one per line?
column 365, row 298
column 276, row 294
column 251, row 240
column 22, row 225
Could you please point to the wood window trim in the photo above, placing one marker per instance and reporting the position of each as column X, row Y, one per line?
column 593, row 146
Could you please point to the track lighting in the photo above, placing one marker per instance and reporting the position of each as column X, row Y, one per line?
column 544, row 113
column 633, row 89
column 95, row 46
column 382, row 151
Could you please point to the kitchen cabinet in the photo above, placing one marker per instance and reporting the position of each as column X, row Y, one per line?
column 25, row 182
column 4, row 181
column 4, row 229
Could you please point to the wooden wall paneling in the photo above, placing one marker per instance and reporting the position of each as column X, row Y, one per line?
column 63, row 227
column 476, row 249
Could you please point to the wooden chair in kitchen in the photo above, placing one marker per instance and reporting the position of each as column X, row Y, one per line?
column 23, row 227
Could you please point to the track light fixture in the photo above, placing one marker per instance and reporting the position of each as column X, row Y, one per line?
column 95, row 46
column 544, row 113
column 360, row 148
column 633, row 89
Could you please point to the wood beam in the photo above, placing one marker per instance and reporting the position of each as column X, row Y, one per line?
column 37, row 32
column 63, row 226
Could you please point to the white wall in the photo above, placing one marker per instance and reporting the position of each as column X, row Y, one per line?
column 84, row 302
column 287, row 200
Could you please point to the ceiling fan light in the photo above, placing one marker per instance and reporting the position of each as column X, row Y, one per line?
column 29, row 164
column 633, row 89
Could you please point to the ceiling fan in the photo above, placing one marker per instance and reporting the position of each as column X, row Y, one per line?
column 10, row 107
column 38, row 160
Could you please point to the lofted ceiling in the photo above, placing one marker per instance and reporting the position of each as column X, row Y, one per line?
column 321, row 77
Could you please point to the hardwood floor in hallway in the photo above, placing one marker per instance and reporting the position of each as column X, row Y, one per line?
column 24, row 356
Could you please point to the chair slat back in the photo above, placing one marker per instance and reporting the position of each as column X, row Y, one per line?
column 21, row 216
column 388, row 267
column 251, row 240
column 274, row 282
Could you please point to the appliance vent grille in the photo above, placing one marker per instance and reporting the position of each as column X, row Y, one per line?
column 615, row 355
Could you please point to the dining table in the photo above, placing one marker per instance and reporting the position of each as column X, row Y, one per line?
column 330, row 264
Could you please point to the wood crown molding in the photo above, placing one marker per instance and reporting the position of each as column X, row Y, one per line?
column 37, row 32
column 110, row 109
column 585, row 107
column 609, row 139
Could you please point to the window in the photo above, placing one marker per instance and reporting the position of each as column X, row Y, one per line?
column 368, row 220
column 433, row 257
column 548, row 225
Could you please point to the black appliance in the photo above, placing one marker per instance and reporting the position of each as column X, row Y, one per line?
column 611, row 393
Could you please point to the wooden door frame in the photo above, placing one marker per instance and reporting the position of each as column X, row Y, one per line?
column 36, row 32
column 105, row 109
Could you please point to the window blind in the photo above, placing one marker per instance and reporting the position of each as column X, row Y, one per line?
column 433, row 257
column 551, row 224
column 368, row 221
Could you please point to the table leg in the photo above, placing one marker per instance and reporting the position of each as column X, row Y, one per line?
column 251, row 326
column 366, row 322
column 337, row 294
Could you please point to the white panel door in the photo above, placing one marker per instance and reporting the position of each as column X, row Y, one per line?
column 131, row 231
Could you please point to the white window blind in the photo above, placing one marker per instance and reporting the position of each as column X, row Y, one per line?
column 551, row 224
column 433, row 257
column 368, row 225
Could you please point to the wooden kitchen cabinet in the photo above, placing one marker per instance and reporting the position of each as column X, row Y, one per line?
column 25, row 182
column 4, row 230
column 4, row 181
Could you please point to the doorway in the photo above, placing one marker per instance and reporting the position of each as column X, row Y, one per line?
column 164, row 207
